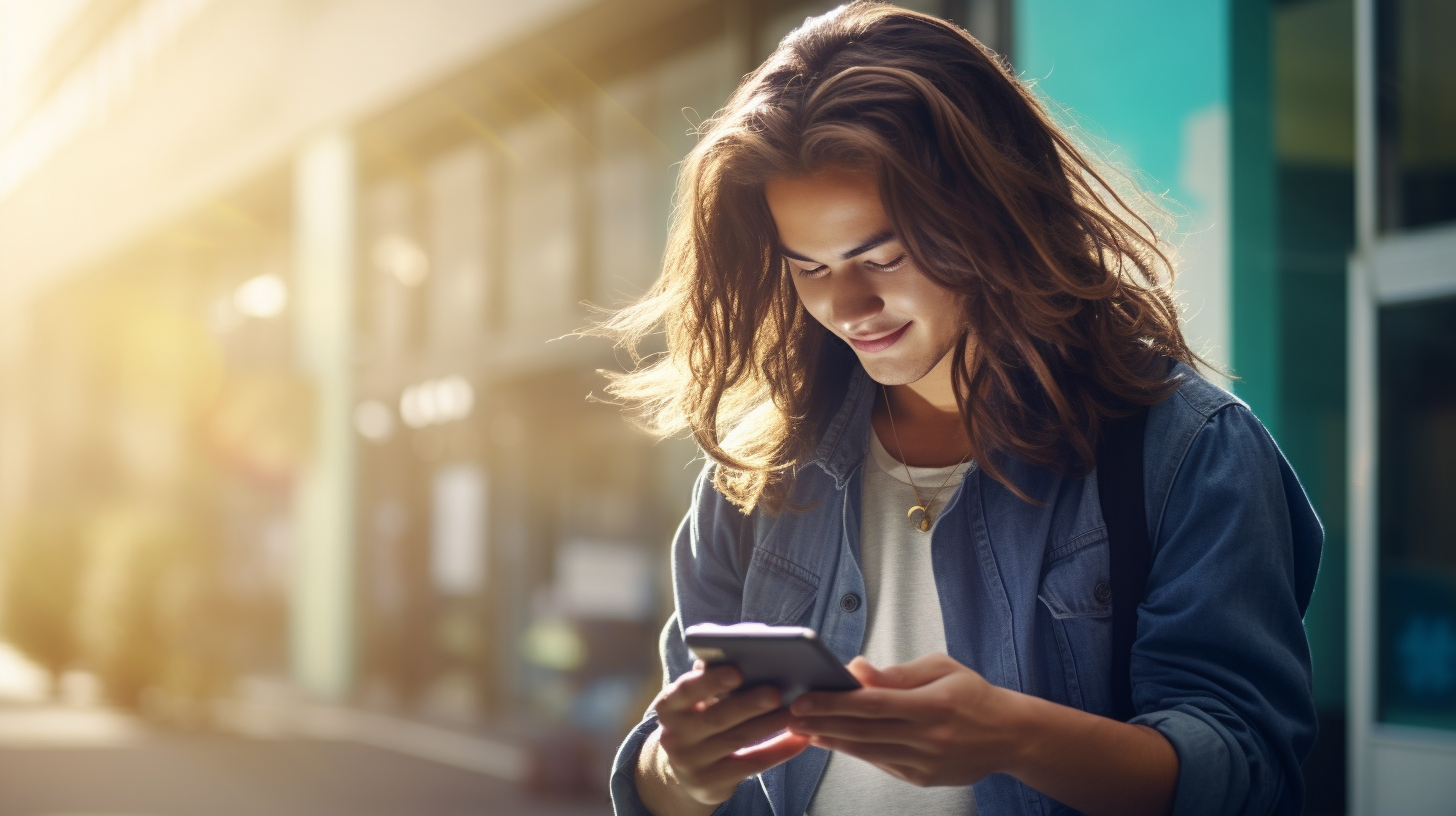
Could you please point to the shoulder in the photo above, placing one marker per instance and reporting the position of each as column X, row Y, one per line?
column 1198, row 409
column 1200, row 437
column 1197, row 398
column 711, row 511
column 1208, row 457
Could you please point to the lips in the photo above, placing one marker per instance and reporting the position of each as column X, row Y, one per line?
column 880, row 343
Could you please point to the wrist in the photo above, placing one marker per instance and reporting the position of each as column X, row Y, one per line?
column 658, row 786
column 1021, row 728
column 648, row 757
column 655, row 780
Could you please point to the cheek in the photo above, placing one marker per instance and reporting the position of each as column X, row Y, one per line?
column 930, row 302
column 814, row 299
column 952, row 310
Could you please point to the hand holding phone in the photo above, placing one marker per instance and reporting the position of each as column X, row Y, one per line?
column 791, row 658
column 712, row 733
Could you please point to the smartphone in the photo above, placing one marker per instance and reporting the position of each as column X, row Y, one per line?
column 793, row 658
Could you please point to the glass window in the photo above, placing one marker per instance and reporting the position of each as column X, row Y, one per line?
column 1416, row 86
column 541, row 247
column 632, row 191
column 457, row 187
column 1417, row 514
column 397, row 265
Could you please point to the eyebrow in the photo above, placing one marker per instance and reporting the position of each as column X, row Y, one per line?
column 883, row 238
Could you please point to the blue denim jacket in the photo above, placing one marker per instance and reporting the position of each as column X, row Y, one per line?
column 1220, row 665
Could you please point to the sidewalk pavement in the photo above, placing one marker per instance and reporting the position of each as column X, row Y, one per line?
column 265, row 709
column 272, row 752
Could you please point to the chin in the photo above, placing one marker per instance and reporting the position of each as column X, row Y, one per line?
column 893, row 372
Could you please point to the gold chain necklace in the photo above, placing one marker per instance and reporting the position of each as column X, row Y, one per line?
column 923, row 506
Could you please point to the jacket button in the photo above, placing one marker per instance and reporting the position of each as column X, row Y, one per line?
column 1103, row 591
column 849, row 602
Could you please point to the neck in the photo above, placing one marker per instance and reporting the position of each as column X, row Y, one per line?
column 921, row 423
column 929, row 399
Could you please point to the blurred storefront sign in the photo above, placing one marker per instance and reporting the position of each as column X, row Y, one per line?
column 604, row 580
column 435, row 402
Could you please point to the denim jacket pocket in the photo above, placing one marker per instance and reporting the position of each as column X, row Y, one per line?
column 1074, row 584
column 777, row 591
column 1076, row 594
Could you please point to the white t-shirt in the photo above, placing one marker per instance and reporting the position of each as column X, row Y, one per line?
column 904, row 623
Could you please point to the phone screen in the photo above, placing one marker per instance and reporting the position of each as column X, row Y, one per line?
column 792, row 658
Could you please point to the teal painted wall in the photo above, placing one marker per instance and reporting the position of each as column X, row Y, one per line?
column 1267, row 193
column 1314, row 123
column 1253, row 245
column 1133, row 70
column 1184, row 92
column 1147, row 84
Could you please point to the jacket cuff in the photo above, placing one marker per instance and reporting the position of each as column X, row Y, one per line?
column 623, row 785
column 1213, row 775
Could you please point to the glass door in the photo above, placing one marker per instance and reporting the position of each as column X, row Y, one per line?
column 1416, row 512
column 1402, row 320
column 1402, row 601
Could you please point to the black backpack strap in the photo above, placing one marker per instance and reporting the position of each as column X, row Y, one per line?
column 745, row 544
column 1120, row 492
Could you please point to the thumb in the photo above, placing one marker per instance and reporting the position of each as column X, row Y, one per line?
column 916, row 673
column 865, row 672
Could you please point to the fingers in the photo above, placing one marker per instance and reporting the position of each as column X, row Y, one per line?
column 685, row 728
column 918, row 672
column 695, row 687
column 909, row 691
column 869, row 702
column 758, row 758
column 734, row 740
column 714, row 735
column 711, row 771
column 860, row 730
column 892, row 759
column 865, row 672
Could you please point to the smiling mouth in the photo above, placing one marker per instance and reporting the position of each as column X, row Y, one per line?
column 879, row 343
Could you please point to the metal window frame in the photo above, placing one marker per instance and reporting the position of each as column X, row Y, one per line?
column 1385, row 269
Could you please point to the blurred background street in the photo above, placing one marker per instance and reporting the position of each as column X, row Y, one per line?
column 183, row 774
column 305, row 507
column 72, row 753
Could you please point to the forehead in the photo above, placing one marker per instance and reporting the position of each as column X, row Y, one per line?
column 823, row 214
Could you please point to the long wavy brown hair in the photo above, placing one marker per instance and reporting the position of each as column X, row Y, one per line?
column 1066, row 287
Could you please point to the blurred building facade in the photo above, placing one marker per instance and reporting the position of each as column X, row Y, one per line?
column 288, row 290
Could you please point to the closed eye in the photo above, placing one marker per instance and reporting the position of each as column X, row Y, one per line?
column 821, row 269
column 891, row 266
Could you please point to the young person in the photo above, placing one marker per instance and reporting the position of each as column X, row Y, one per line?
column 901, row 309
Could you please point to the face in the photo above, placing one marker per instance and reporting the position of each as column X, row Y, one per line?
column 853, row 275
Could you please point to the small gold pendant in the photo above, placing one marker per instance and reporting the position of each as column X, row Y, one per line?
column 924, row 524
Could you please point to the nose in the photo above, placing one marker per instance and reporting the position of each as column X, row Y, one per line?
column 854, row 301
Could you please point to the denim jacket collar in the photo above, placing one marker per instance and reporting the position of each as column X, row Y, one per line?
column 844, row 444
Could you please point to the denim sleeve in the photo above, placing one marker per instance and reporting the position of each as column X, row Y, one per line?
column 1221, row 664
column 623, row 784
column 707, row 586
